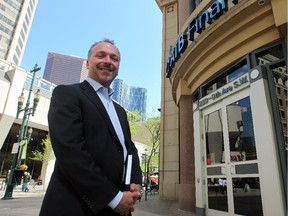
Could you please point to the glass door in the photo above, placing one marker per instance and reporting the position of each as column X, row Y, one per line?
column 232, row 177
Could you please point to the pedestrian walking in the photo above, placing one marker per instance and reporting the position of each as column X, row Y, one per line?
column 26, row 181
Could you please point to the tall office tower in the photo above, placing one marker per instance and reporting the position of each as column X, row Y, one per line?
column 16, row 18
column 118, row 85
column 64, row 69
column 131, row 98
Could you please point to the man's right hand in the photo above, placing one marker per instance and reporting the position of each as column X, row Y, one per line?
column 126, row 204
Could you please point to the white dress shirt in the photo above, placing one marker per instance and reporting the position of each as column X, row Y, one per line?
column 105, row 96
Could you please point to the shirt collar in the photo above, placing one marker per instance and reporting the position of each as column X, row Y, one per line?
column 97, row 86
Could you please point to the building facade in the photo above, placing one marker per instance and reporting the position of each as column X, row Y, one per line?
column 130, row 97
column 223, row 144
column 13, row 82
column 64, row 69
column 16, row 18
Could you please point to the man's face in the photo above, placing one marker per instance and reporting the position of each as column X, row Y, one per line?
column 103, row 64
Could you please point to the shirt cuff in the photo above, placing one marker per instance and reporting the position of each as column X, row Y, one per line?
column 113, row 204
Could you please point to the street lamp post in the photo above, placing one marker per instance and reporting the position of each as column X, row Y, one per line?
column 22, row 138
column 25, row 141
column 146, row 174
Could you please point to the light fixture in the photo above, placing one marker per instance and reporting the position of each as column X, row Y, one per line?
column 261, row 2
column 30, row 130
column 21, row 100
column 36, row 101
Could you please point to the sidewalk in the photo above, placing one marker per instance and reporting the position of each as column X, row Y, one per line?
column 28, row 204
column 23, row 203
column 156, row 207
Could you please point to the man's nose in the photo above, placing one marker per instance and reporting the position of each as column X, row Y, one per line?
column 107, row 60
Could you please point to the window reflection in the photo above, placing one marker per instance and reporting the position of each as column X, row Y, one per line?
column 230, row 75
column 214, row 138
column 241, row 134
column 247, row 196
column 269, row 55
column 217, row 194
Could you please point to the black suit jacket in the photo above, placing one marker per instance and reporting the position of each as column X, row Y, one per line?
column 89, row 163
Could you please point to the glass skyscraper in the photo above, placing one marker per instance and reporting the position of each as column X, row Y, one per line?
column 130, row 97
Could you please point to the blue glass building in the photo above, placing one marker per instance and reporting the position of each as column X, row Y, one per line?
column 130, row 97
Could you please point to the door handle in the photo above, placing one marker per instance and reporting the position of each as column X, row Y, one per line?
column 232, row 169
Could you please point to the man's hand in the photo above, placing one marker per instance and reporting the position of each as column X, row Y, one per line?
column 136, row 188
column 127, row 203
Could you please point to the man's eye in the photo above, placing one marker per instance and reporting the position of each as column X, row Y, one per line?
column 115, row 58
column 99, row 56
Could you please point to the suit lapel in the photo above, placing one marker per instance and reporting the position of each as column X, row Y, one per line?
column 92, row 95
column 123, row 123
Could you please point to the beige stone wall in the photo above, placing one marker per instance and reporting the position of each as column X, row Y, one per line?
column 169, row 141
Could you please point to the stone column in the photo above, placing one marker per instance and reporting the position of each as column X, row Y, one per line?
column 187, row 199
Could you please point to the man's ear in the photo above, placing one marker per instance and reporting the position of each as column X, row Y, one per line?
column 87, row 64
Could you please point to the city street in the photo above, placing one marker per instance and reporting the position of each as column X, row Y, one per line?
column 28, row 204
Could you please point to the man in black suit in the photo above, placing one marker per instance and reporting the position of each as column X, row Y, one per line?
column 91, row 139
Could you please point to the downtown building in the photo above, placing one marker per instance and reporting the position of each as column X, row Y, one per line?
column 16, row 18
column 65, row 69
column 130, row 97
column 223, row 145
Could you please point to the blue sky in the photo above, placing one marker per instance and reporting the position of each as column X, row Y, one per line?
column 69, row 28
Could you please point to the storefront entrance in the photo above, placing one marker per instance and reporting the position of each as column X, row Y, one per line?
column 231, row 157
column 240, row 169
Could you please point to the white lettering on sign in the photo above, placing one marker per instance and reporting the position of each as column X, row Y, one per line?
column 224, row 91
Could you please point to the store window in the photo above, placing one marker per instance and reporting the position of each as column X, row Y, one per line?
column 247, row 196
column 231, row 74
column 269, row 55
column 241, row 132
column 214, row 138
column 217, row 194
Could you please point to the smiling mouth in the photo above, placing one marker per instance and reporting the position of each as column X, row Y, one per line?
column 106, row 69
column 110, row 69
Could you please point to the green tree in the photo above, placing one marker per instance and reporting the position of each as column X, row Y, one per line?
column 153, row 127
column 147, row 132
column 47, row 153
column 151, row 157
column 44, row 156
column 133, row 119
